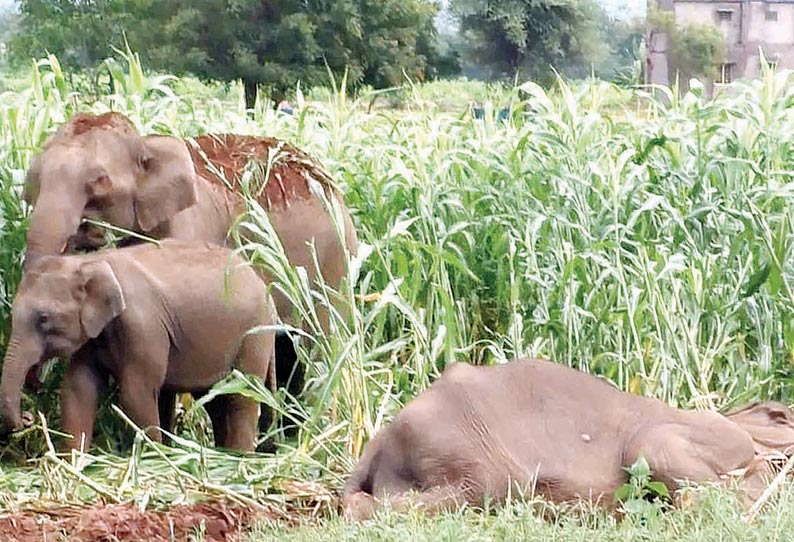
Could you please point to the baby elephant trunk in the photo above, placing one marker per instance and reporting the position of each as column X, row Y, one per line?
column 20, row 357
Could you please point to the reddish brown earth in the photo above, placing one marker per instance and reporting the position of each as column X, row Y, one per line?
column 222, row 522
column 230, row 153
column 84, row 122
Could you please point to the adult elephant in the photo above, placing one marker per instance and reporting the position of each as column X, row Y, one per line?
column 534, row 426
column 100, row 167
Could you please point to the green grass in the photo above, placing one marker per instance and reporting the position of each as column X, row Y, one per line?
column 716, row 518
column 647, row 240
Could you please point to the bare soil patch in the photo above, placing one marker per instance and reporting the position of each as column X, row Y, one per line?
column 216, row 520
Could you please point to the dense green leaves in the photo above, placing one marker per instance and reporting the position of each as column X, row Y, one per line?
column 533, row 37
column 274, row 44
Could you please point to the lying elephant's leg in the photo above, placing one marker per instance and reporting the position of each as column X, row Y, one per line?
column 693, row 452
column 79, row 398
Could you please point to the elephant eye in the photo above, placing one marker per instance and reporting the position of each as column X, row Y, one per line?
column 42, row 321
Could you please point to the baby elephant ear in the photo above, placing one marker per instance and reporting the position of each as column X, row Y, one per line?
column 103, row 300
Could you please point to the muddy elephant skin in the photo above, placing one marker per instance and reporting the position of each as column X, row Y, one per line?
column 158, row 319
column 532, row 426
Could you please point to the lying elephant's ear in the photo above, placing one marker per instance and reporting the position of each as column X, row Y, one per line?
column 103, row 300
column 167, row 183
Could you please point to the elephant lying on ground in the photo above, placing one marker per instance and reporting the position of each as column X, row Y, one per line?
column 479, row 432
column 160, row 320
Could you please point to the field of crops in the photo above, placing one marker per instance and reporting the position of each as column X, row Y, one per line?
column 644, row 238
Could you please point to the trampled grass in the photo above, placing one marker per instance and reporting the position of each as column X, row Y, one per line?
column 650, row 244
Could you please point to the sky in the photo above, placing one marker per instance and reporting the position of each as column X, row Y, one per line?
column 625, row 8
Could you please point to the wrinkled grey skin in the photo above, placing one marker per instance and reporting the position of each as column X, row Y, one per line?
column 529, row 425
column 159, row 320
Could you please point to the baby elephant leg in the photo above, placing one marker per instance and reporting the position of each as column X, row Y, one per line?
column 362, row 506
column 140, row 380
column 240, row 415
column 79, row 398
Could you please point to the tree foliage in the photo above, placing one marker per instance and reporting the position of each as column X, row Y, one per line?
column 273, row 43
column 531, row 36
column 695, row 49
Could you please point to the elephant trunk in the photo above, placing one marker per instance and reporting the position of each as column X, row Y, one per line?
column 22, row 354
column 54, row 220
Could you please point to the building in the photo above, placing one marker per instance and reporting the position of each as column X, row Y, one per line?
column 749, row 26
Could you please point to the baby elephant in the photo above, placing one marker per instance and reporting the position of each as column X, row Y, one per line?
column 159, row 319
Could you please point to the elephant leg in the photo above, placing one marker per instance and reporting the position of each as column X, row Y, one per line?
column 217, row 413
column 139, row 400
column 256, row 357
column 80, row 391
column 239, row 417
column 362, row 506
column 166, row 406
column 286, row 372
column 676, row 452
column 140, row 380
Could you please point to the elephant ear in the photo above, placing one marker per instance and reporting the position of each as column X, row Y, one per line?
column 770, row 424
column 168, row 182
column 103, row 299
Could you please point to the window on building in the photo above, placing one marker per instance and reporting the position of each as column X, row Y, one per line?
column 725, row 73
column 771, row 15
column 725, row 15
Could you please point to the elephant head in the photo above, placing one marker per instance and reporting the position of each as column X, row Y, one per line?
column 770, row 424
column 61, row 304
column 100, row 167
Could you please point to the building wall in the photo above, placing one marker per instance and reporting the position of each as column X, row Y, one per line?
column 746, row 32
column 687, row 13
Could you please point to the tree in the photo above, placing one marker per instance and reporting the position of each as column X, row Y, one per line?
column 80, row 32
column 265, row 43
column 531, row 36
column 695, row 49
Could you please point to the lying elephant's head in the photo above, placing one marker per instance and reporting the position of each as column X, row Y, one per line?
column 770, row 424
column 100, row 167
column 60, row 305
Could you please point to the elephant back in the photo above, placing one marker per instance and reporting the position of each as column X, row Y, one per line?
column 223, row 158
